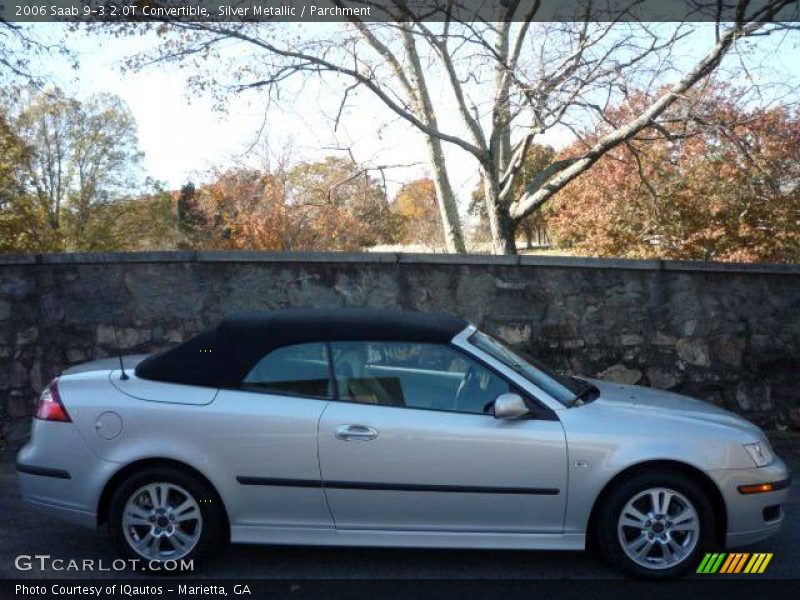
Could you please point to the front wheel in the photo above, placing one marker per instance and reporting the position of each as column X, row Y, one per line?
column 655, row 526
column 164, row 514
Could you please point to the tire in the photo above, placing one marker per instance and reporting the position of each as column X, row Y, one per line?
column 163, row 514
column 657, row 544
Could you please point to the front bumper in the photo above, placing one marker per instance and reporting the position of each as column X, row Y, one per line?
column 752, row 517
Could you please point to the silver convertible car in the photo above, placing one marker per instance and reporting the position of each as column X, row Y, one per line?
column 386, row 428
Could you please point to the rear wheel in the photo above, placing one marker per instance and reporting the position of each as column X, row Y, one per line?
column 655, row 526
column 164, row 514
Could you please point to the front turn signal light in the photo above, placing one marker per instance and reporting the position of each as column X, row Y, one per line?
column 762, row 488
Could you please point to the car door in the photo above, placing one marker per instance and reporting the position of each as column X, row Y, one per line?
column 411, row 444
column 265, row 434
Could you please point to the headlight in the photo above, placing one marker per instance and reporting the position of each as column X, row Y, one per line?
column 760, row 452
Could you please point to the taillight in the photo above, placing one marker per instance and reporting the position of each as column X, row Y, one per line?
column 49, row 407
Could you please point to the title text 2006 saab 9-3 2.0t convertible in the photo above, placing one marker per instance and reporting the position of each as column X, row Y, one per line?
column 381, row 428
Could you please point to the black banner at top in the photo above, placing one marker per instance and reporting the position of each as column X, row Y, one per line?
column 399, row 10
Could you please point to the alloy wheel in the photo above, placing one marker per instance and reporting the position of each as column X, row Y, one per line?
column 162, row 521
column 658, row 528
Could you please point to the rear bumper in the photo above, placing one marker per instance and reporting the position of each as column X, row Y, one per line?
column 43, row 471
column 36, row 489
column 752, row 517
column 60, row 476
column 64, row 513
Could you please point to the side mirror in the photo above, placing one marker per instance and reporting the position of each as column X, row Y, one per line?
column 510, row 406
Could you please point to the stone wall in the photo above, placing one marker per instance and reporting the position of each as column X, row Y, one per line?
column 729, row 334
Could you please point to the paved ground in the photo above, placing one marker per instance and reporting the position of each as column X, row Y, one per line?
column 22, row 531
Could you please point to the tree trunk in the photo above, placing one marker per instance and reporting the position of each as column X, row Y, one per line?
column 527, row 230
column 445, row 199
column 501, row 226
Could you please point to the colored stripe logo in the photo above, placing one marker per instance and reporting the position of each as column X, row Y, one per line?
column 734, row 563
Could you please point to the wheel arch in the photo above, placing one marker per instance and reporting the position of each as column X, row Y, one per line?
column 699, row 477
column 145, row 463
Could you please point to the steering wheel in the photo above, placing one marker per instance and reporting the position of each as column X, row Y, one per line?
column 466, row 388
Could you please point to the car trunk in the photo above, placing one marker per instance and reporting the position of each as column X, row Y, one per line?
column 143, row 389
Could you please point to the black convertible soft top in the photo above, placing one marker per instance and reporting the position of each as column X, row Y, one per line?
column 222, row 355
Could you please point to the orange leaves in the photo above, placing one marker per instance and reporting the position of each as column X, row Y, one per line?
column 416, row 204
column 724, row 185
column 328, row 205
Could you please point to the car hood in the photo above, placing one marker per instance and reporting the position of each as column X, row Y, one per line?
column 653, row 403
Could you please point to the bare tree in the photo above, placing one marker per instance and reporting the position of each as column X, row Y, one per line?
column 510, row 81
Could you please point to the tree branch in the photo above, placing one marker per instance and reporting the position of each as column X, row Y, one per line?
column 538, row 192
column 325, row 64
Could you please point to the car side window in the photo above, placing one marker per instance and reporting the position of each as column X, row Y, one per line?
column 300, row 370
column 414, row 375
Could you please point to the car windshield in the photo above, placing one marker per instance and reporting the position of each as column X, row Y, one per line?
column 566, row 390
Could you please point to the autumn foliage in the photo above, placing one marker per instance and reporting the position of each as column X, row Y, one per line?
column 724, row 185
column 67, row 167
column 717, row 179
column 415, row 202
column 328, row 205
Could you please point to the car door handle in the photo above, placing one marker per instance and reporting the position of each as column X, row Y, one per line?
column 355, row 433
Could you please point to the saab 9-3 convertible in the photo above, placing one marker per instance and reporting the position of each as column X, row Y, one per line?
column 386, row 428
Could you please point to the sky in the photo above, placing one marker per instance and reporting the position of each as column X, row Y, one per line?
column 182, row 135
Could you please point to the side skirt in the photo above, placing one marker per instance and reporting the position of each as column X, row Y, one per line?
column 265, row 534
